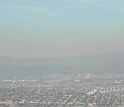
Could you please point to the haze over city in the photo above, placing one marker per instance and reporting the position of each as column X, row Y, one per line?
column 62, row 53
column 60, row 28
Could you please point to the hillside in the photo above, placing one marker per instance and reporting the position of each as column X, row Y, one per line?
column 99, row 63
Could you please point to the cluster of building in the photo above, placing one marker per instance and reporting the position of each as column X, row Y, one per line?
column 63, row 91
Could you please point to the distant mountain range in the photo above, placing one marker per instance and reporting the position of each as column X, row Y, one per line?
column 99, row 63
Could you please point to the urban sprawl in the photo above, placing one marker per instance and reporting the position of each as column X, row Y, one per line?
column 60, row 90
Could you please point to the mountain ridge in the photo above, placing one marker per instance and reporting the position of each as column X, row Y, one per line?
column 100, row 63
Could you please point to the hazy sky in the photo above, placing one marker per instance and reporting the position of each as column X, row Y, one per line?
column 59, row 28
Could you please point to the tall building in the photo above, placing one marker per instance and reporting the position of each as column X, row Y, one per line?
column 40, row 80
column 15, row 79
column 88, row 75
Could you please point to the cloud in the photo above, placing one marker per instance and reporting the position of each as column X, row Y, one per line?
column 102, row 5
column 39, row 9
column 116, row 10
column 85, row 0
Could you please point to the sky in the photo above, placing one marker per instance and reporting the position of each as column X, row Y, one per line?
column 60, row 28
